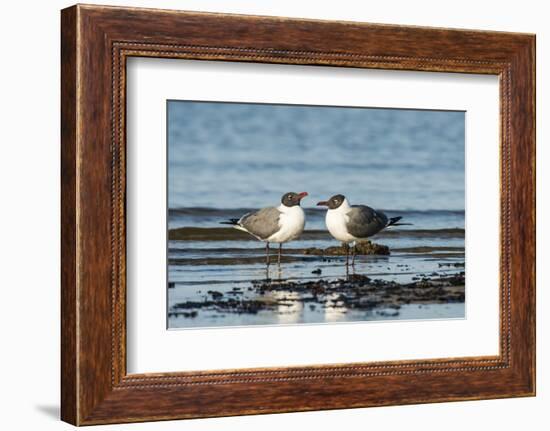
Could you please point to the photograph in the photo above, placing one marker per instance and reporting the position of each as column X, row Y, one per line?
column 283, row 214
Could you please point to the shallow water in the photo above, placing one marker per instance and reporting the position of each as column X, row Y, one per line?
column 297, row 314
column 198, row 268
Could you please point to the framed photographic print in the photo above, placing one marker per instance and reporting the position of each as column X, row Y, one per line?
column 267, row 215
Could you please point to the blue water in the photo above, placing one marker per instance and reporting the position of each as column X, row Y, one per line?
column 225, row 159
column 230, row 155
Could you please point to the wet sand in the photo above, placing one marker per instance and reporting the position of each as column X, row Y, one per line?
column 230, row 234
column 313, row 284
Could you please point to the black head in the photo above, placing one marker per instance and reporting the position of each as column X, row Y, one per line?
column 334, row 202
column 291, row 199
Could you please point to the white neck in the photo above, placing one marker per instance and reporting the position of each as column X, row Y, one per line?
column 284, row 209
column 342, row 208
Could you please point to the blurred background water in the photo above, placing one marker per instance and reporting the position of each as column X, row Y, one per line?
column 233, row 155
column 225, row 159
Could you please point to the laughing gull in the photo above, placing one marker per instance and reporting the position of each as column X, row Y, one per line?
column 354, row 223
column 274, row 224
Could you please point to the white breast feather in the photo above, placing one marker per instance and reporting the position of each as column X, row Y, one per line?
column 336, row 224
column 292, row 221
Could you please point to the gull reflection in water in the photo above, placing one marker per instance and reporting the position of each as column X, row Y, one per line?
column 289, row 307
column 335, row 309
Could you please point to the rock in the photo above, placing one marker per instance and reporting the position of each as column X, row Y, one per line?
column 215, row 294
column 362, row 248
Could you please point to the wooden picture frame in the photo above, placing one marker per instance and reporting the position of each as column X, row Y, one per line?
column 95, row 43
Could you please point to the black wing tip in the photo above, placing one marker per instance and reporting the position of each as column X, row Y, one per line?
column 394, row 222
column 231, row 221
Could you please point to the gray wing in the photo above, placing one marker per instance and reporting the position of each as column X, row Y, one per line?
column 262, row 223
column 363, row 221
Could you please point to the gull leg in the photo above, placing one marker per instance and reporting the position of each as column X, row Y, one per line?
column 347, row 253
column 354, row 254
column 279, row 255
column 267, row 253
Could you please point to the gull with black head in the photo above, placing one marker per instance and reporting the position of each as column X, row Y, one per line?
column 354, row 223
column 279, row 224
